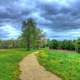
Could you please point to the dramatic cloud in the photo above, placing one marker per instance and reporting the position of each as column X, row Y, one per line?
column 60, row 19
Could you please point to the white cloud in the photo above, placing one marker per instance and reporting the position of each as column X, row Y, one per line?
column 12, row 31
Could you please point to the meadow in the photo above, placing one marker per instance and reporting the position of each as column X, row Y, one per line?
column 9, row 60
column 65, row 64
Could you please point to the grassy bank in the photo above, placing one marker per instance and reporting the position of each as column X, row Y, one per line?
column 9, row 59
column 67, row 66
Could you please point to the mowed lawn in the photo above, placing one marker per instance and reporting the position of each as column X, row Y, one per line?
column 63, row 63
column 9, row 60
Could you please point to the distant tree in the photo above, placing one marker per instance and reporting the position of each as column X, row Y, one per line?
column 0, row 43
column 77, row 45
column 53, row 44
column 68, row 45
column 8, row 44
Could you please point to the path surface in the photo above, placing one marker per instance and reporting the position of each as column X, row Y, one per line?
column 31, row 70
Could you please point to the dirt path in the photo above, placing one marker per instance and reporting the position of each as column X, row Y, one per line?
column 31, row 70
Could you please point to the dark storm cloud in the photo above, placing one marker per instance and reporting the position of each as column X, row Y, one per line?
column 64, row 18
column 54, row 15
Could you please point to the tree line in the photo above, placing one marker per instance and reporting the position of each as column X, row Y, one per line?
column 33, row 38
column 64, row 44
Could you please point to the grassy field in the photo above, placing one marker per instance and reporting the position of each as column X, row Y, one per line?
column 9, row 59
column 64, row 64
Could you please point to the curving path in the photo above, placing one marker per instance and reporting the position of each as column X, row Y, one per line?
column 32, row 70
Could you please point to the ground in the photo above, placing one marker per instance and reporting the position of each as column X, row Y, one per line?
column 64, row 64
column 32, row 70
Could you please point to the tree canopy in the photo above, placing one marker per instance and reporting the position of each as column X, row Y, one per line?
column 32, row 36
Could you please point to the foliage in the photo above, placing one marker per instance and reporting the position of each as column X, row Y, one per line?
column 68, row 45
column 32, row 36
column 53, row 44
column 8, row 44
column 65, row 44
column 77, row 44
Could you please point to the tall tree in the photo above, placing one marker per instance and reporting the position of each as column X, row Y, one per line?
column 31, row 34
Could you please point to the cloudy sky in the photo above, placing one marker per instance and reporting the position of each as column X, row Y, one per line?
column 60, row 19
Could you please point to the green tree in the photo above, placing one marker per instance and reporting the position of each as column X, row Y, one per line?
column 53, row 44
column 77, row 45
column 68, row 45
column 31, row 35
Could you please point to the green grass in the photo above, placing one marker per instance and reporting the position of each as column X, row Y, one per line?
column 9, row 60
column 66, row 66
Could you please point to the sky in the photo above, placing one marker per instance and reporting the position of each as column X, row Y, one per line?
column 59, row 19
